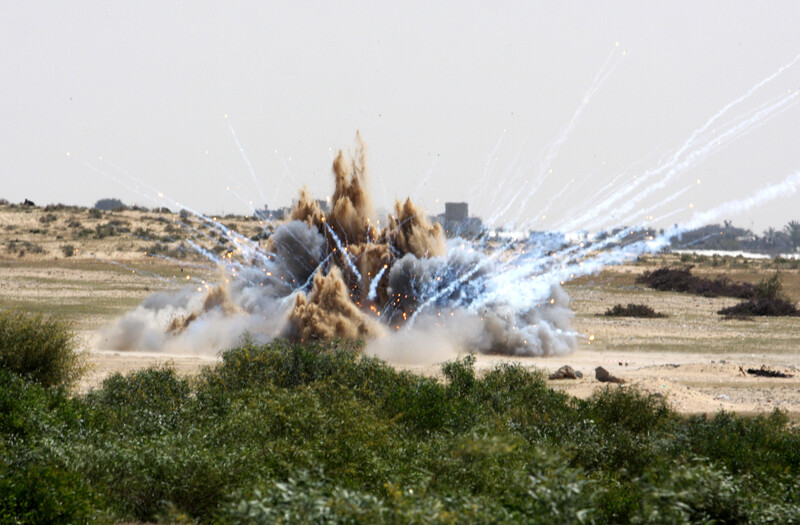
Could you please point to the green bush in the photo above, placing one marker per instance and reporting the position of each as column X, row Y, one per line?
column 629, row 409
column 28, row 411
column 37, row 484
column 148, row 476
column 40, row 348
column 769, row 288
column 48, row 218
column 143, row 402
column 101, row 231
column 318, row 433
column 633, row 310
column 45, row 494
column 762, row 444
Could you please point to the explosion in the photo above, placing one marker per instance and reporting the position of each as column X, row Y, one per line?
column 338, row 274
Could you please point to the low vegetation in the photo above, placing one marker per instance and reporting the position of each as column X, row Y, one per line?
column 681, row 280
column 38, row 348
column 110, row 204
column 768, row 300
column 761, row 307
column 20, row 248
column 633, row 310
column 48, row 232
column 317, row 433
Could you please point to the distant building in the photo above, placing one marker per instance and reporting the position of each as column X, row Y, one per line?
column 278, row 214
column 456, row 211
column 456, row 221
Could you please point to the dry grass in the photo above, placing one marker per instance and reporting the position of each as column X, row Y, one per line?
column 32, row 233
column 693, row 325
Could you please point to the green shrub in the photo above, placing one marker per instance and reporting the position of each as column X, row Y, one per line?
column 39, row 348
column 101, row 231
column 45, row 494
column 695, row 493
column 20, row 247
column 147, row 476
column 37, row 485
column 26, row 408
column 521, row 400
column 143, row 402
column 629, row 409
column 319, row 433
column 769, row 288
column 68, row 250
column 681, row 280
column 761, row 444
column 761, row 307
column 768, row 300
column 633, row 310
column 48, row 218
column 545, row 492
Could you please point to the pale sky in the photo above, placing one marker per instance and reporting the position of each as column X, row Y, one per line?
column 457, row 101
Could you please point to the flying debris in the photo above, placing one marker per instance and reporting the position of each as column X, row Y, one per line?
column 337, row 274
column 332, row 270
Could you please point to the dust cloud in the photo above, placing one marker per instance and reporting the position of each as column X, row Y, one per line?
column 414, row 295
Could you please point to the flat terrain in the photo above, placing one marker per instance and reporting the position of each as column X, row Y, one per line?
column 692, row 357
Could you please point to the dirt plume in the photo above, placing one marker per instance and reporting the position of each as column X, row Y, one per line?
column 328, row 312
column 335, row 273
column 217, row 298
column 411, row 232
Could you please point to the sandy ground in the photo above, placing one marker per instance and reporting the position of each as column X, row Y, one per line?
column 104, row 363
column 692, row 357
column 691, row 383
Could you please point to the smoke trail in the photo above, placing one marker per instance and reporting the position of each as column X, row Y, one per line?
column 336, row 274
column 523, row 197
column 627, row 197
column 247, row 161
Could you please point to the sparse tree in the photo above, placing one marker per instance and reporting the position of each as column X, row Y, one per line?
column 109, row 204
column 769, row 236
column 793, row 230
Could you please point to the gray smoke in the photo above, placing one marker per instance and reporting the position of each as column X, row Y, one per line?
column 452, row 303
column 339, row 275
column 458, row 294
column 256, row 301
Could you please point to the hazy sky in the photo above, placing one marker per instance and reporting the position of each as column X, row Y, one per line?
column 460, row 100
